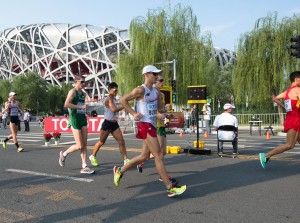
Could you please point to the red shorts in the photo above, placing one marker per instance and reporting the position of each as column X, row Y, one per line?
column 145, row 128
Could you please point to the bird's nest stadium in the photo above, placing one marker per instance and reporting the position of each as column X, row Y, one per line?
column 59, row 51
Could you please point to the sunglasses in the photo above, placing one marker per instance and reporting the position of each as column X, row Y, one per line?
column 161, row 80
column 155, row 74
column 82, row 81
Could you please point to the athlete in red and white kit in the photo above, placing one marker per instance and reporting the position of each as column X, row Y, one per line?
column 149, row 101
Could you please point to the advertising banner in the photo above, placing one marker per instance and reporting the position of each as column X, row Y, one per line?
column 60, row 124
column 176, row 120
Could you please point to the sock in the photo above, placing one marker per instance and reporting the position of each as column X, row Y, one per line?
column 267, row 160
column 17, row 145
column 84, row 166
column 64, row 154
column 5, row 140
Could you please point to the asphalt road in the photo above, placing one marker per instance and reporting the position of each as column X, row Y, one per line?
column 34, row 188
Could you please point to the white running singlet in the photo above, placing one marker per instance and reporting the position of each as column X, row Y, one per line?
column 108, row 114
column 14, row 108
column 148, row 106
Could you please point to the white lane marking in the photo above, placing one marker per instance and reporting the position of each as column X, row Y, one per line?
column 29, row 140
column 292, row 152
column 72, row 142
column 50, row 175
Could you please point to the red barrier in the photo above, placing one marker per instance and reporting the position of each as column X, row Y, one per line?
column 60, row 124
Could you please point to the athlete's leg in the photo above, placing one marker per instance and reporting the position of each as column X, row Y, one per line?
column 78, row 140
column 291, row 139
column 117, row 134
column 14, row 129
column 154, row 147
column 83, row 151
column 103, row 137
column 161, row 136
column 162, row 143
column 137, row 159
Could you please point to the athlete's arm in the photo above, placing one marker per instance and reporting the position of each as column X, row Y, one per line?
column 6, row 106
column 136, row 93
column 160, row 105
column 20, row 108
column 277, row 98
column 70, row 97
column 111, row 105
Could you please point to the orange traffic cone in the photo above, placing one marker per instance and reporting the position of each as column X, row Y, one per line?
column 181, row 134
column 268, row 136
column 206, row 134
column 123, row 132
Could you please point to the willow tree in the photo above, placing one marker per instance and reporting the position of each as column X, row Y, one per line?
column 163, row 36
column 264, row 61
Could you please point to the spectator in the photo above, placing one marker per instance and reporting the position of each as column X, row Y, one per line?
column 187, row 117
column 206, row 117
column 4, row 119
column 41, row 121
column 26, row 118
column 169, row 108
column 226, row 118
column 193, row 117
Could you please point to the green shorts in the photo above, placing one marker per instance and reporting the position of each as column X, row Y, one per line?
column 77, row 123
column 161, row 131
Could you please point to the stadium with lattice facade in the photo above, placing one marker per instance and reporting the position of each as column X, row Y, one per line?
column 59, row 51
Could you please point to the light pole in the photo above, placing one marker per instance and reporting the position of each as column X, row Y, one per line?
column 174, row 75
column 174, row 67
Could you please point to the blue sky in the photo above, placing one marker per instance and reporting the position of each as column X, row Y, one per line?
column 226, row 20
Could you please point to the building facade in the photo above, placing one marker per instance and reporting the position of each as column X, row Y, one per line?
column 59, row 51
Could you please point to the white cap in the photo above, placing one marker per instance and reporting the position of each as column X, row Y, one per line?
column 207, row 104
column 12, row 94
column 227, row 105
column 150, row 69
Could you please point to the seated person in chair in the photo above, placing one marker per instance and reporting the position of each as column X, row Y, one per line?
column 226, row 118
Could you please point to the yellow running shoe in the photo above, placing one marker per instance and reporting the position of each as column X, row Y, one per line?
column 117, row 175
column 175, row 191
column 93, row 160
column 20, row 149
column 4, row 145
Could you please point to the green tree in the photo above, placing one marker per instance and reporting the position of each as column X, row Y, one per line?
column 32, row 90
column 224, row 87
column 263, row 60
column 162, row 37
column 5, row 88
column 56, row 98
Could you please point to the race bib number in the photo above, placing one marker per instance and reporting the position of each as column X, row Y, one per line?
column 152, row 110
column 80, row 110
column 288, row 105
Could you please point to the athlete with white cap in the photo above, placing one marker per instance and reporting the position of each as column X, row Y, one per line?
column 13, row 107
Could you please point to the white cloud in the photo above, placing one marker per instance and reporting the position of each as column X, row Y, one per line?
column 215, row 30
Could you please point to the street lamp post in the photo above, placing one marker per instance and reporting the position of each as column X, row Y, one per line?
column 174, row 73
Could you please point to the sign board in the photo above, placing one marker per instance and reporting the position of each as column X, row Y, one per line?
column 60, row 124
column 176, row 120
column 167, row 91
column 197, row 94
